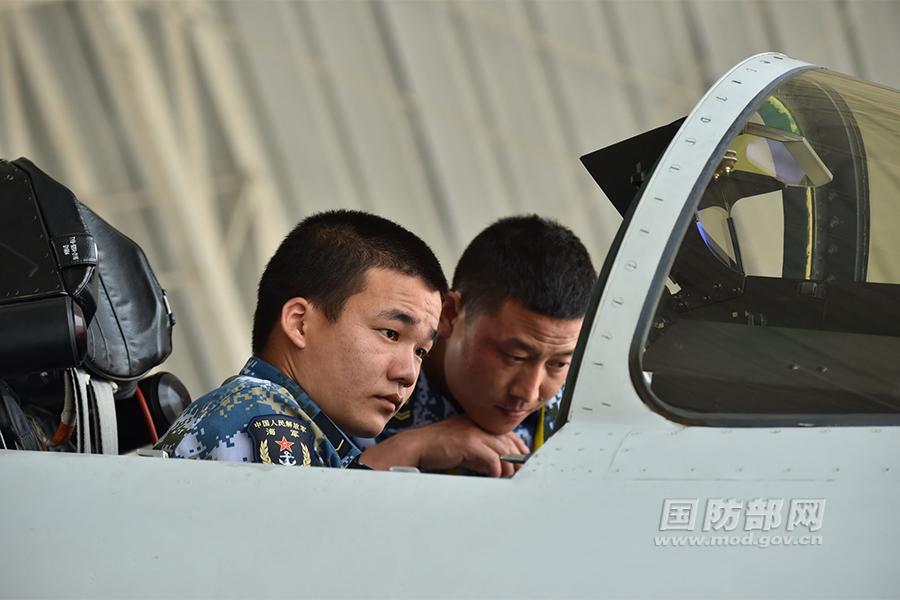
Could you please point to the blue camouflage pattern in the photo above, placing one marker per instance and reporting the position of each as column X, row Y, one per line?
column 426, row 405
column 215, row 426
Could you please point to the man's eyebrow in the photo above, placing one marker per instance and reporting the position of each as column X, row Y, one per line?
column 523, row 346
column 520, row 345
column 396, row 314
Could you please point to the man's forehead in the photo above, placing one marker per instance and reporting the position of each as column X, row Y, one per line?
column 514, row 324
column 513, row 312
column 410, row 309
column 391, row 283
column 401, row 297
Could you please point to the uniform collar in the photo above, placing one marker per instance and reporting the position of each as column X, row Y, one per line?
column 452, row 407
column 261, row 369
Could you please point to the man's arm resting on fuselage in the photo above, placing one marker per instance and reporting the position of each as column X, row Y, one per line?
column 447, row 444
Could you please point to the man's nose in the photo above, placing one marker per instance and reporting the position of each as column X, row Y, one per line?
column 527, row 384
column 404, row 368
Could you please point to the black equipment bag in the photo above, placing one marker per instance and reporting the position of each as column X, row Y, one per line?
column 73, row 290
column 48, row 272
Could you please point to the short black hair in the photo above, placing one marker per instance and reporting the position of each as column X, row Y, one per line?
column 530, row 259
column 325, row 260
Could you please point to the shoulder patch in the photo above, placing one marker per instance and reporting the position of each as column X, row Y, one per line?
column 281, row 440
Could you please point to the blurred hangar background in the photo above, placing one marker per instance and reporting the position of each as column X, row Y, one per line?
column 205, row 130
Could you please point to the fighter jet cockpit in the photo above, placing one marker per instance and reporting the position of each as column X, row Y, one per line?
column 781, row 304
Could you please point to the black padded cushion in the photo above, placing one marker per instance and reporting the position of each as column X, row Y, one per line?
column 132, row 328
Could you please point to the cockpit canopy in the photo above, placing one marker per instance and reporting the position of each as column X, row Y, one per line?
column 782, row 304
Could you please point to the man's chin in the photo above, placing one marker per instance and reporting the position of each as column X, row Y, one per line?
column 499, row 422
column 368, row 429
column 495, row 427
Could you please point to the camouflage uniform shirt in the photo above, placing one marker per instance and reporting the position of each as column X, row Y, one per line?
column 427, row 405
column 260, row 415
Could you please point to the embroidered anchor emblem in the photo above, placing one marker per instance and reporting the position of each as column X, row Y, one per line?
column 285, row 458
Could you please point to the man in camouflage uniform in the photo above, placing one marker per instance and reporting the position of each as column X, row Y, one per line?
column 493, row 382
column 346, row 292
column 260, row 415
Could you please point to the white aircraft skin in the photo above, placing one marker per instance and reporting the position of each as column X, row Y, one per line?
column 583, row 517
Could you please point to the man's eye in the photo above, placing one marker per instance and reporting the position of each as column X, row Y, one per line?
column 515, row 358
column 558, row 365
column 390, row 334
column 421, row 353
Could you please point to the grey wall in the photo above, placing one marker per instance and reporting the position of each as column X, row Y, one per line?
column 205, row 130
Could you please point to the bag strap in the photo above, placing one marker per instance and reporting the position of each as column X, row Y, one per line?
column 82, row 412
column 107, row 428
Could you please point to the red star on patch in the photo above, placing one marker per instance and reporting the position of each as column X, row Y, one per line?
column 283, row 444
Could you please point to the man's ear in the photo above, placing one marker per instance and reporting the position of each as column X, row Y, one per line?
column 294, row 322
column 451, row 312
